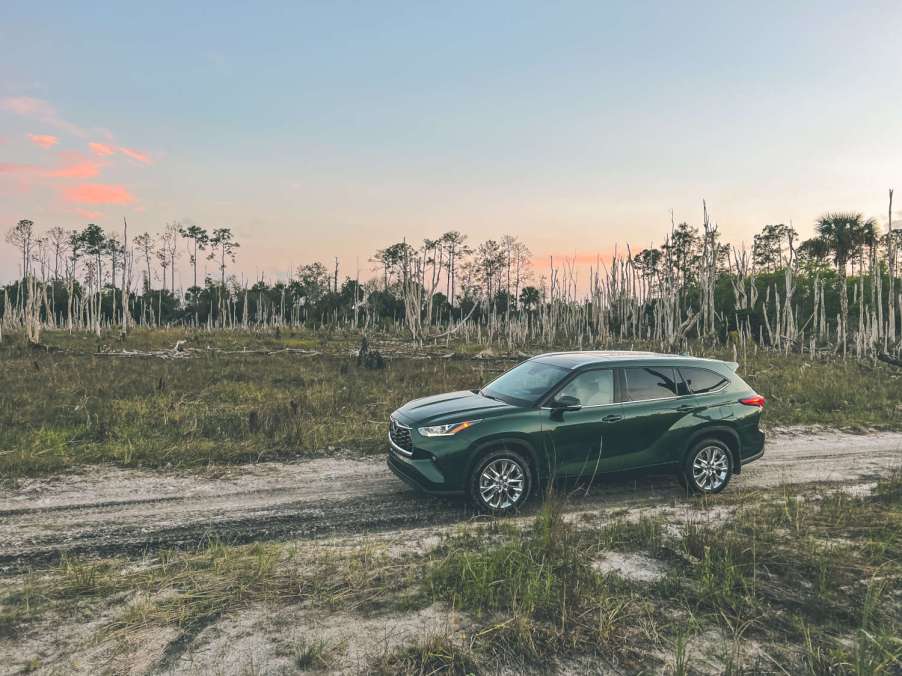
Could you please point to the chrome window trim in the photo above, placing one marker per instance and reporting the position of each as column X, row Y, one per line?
column 642, row 401
column 719, row 389
column 725, row 385
column 583, row 408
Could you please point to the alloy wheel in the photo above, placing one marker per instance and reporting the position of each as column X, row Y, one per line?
column 710, row 468
column 501, row 483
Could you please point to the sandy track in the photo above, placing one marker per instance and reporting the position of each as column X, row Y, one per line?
column 110, row 511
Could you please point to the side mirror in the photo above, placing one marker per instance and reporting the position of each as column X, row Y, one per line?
column 566, row 403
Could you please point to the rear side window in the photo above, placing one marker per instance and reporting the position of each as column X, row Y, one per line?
column 650, row 382
column 701, row 381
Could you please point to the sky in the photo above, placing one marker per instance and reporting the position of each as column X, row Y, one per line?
column 323, row 129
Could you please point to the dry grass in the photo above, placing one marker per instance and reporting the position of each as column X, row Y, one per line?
column 68, row 406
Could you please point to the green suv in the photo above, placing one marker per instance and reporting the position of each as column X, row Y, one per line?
column 579, row 414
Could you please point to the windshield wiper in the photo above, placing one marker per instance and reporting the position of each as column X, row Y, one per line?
column 487, row 396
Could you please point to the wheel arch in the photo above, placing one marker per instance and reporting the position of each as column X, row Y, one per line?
column 513, row 443
column 722, row 433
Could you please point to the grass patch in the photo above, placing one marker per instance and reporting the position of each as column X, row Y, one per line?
column 433, row 655
column 536, row 593
column 190, row 590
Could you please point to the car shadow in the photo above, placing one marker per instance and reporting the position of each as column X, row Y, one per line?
column 620, row 489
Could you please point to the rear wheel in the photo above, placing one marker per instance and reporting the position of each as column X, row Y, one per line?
column 708, row 467
column 501, row 482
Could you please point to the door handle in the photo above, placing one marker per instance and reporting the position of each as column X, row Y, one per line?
column 687, row 408
column 612, row 418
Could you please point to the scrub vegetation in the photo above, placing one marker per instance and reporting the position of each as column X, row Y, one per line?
column 244, row 397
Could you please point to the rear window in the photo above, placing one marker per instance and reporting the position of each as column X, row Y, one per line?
column 650, row 382
column 701, row 381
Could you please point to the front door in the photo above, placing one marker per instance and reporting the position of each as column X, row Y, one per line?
column 579, row 441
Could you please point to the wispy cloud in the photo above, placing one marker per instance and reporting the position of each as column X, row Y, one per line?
column 44, row 112
column 107, row 150
column 101, row 149
column 43, row 140
column 98, row 193
column 136, row 155
column 41, row 110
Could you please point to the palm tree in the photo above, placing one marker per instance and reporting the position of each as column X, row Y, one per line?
column 530, row 298
column 845, row 234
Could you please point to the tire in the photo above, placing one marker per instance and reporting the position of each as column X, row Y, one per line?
column 708, row 467
column 506, row 471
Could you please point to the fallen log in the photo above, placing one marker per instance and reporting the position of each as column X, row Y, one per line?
column 892, row 361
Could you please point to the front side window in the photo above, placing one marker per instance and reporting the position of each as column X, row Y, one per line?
column 526, row 383
column 650, row 382
column 592, row 388
column 702, row 381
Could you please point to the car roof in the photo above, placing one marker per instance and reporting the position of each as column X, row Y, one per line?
column 580, row 359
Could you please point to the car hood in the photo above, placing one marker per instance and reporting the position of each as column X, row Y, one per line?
column 450, row 407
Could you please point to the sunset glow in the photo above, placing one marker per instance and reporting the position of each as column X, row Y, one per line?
column 356, row 128
column 96, row 193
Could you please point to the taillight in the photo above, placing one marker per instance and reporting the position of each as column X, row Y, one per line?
column 756, row 400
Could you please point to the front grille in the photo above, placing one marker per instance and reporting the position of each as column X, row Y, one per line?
column 400, row 435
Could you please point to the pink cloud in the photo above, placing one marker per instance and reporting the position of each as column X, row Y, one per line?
column 101, row 149
column 106, row 150
column 98, row 193
column 72, row 166
column 78, row 169
column 136, row 155
column 44, row 140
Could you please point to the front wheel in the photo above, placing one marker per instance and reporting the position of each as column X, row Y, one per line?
column 501, row 482
column 708, row 467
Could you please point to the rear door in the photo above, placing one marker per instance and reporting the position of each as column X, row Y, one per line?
column 651, row 408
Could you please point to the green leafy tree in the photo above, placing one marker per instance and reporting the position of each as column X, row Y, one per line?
column 771, row 244
column 845, row 234
column 201, row 239
column 223, row 246
column 530, row 297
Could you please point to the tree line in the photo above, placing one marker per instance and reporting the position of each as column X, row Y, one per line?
column 837, row 290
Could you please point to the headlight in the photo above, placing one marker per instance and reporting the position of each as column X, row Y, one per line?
column 446, row 430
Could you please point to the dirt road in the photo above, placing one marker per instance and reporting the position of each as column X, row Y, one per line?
column 110, row 511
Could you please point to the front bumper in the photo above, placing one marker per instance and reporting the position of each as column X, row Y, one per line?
column 420, row 474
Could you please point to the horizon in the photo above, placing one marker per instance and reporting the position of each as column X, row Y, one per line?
column 323, row 131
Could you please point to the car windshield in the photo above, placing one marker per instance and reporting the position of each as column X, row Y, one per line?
column 525, row 384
